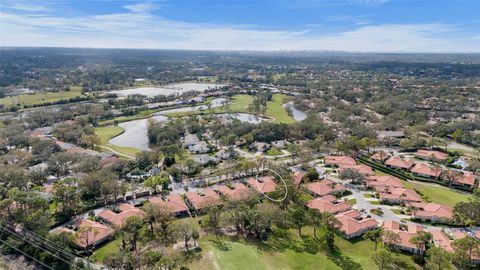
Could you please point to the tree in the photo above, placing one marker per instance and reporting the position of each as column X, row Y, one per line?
column 131, row 229
column 352, row 174
column 65, row 193
column 383, row 259
column 422, row 240
column 391, row 239
column 374, row 235
column 185, row 231
column 158, row 180
column 299, row 218
column 195, row 236
column 330, row 226
column 87, row 235
column 464, row 250
column 438, row 259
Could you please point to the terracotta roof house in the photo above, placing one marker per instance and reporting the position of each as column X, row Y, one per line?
column 354, row 225
column 467, row 179
column 431, row 211
column 201, row 201
column 237, row 193
column 431, row 155
column 92, row 234
column 174, row 202
column 398, row 195
column 404, row 235
column 117, row 219
column 440, row 239
column 399, row 163
column 329, row 204
column 298, row 177
column 380, row 156
column 265, row 184
column 425, row 170
column 324, row 188
column 383, row 181
column 336, row 161
column 361, row 168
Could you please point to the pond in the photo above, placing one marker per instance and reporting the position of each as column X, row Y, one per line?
column 296, row 114
column 244, row 117
column 135, row 134
column 172, row 89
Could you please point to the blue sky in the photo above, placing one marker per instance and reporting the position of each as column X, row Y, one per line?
column 349, row 25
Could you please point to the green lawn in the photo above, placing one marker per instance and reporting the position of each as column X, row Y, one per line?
column 39, row 98
column 106, row 133
column 294, row 253
column 274, row 152
column 102, row 253
column 276, row 110
column 438, row 194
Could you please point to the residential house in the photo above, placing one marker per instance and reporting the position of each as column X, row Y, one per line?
column 397, row 162
column 354, row 225
column 125, row 211
column 466, row 179
column 361, row 168
column 426, row 170
column 380, row 156
column 329, row 204
column 298, row 177
column 265, row 184
column 282, row 144
column 405, row 233
column 88, row 233
column 383, row 181
column 174, row 202
column 398, row 195
column 337, row 161
column 441, row 239
column 237, row 192
column 260, row 146
column 200, row 201
column 324, row 188
column 431, row 211
column 387, row 134
column 431, row 155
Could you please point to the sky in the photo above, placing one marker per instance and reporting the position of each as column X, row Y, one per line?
column 265, row 25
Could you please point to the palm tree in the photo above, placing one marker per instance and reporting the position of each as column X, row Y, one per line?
column 374, row 236
column 421, row 240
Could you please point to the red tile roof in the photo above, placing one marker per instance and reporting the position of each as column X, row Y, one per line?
column 467, row 178
column 329, row 204
column 405, row 236
column 88, row 237
column 399, row 194
column 264, row 184
column 431, row 210
column 118, row 219
column 362, row 168
column 206, row 199
column 298, row 176
column 351, row 222
column 430, row 154
column 340, row 160
column 238, row 192
column 174, row 202
column 442, row 240
column 425, row 169
column 399, row 162
column 324, row 188
column 384, row 181
column 380, row 156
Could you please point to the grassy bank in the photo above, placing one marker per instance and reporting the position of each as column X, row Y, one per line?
column 276, row 110
column 106, row 133
column 39, row 98
column 438, row 194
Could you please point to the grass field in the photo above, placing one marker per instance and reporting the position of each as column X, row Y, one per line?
column 277, row 111
column 295, row 253
column 103, row 252
column 438, row 194
column 106, row 133
column 39, row 98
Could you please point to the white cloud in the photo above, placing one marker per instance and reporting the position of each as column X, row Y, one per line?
column 142, row 7
column 140, row 29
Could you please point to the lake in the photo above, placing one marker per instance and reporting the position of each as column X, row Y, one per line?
column 296, row 114
column 172, row 89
